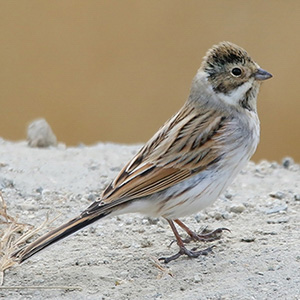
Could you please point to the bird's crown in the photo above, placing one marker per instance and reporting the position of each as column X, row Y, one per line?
column 223, row 54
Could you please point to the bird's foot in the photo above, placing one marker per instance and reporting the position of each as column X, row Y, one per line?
column 205, row 236
column 210, row 236
column 184, row 251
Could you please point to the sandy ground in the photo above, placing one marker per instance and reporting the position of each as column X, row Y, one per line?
column 115, row 258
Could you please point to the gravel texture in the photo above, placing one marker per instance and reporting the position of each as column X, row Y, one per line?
column 116, row 258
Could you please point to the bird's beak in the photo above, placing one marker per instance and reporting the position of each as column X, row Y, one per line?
column 262, row 74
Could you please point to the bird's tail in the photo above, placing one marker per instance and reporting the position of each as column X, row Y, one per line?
column 59, row 233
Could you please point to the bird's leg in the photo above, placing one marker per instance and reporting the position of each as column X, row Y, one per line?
column 182, row 249
column 206, row 237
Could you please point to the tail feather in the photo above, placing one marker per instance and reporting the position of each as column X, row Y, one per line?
column 57, row 234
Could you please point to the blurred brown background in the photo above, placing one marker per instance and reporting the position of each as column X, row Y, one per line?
column 117, row 70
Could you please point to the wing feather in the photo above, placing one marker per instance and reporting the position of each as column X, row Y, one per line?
column 185, row 145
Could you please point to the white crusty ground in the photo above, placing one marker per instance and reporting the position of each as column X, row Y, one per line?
column 114, row 258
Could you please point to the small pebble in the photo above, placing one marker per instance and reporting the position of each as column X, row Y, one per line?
column 6, row 183
column 277, row 195
column 40, row 134
column 46, row 193
column 228, row 195
column 197, row 278
column 269, row 232
column 200, row 217
column 146, row 243
column 153, row 221
column 276, row 209
column 248, row 239
column 274, row 165
column 39, row 190
column 217, row 215
column 92, row 229
column 129, row 221
column 226, row 215
column 92, row 197
column 237, row 208
column 278, row 221
column 287, row 162
column 297, row 197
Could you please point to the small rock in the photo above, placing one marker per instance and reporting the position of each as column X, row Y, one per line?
column 46, row 193
column 40, row 134
column 39, row 190
column 274, row 165
column 277, row 195
column 237, row 208
column 297, row 197
column 287, row 162
column 226, row 215
column 153, row 221
column 200, row 217
column 137, row 245
column 129, row 221
column 92, row 197
column 248, row 239
column 217, row 215
column 276, row 209
column 197, row 278
column 269, row 232
column 228, row 195
column 146, row 244
column 6, row 183
column 92, row 229
column 279, row 220
column 263, row 168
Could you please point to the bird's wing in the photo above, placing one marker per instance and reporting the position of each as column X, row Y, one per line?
column 187, row 144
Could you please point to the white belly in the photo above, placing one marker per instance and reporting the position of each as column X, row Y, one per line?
column 187, row 197
column 201, row 190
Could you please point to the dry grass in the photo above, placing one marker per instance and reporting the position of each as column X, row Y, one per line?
column 12, row 236
column 162, row 269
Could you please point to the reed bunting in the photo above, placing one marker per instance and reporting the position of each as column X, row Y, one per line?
column 191, row 160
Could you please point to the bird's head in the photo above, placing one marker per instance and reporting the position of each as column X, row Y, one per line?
column 233, row 76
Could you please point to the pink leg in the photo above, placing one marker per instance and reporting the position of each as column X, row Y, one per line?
column 182, row 249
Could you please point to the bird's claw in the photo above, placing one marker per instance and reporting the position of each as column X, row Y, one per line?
column 190, row 253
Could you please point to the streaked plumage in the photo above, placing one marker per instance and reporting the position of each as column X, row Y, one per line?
column 197, row 153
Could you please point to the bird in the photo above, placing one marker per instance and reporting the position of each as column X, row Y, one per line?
column 191, row 159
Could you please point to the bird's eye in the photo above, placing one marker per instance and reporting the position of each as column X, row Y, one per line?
column 237, row 72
